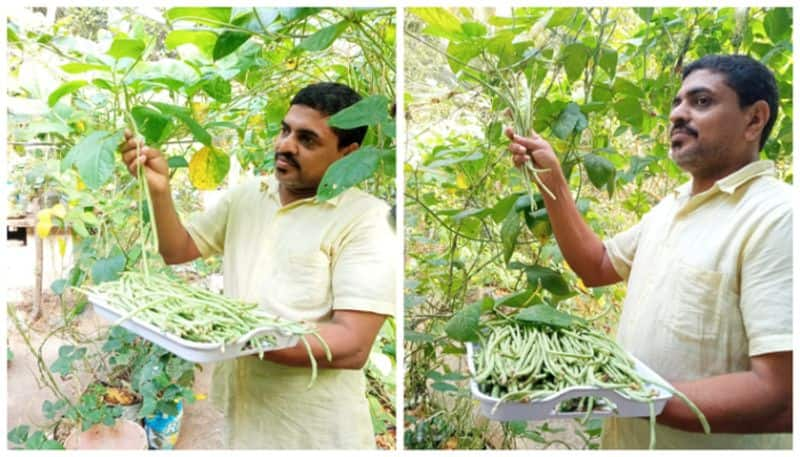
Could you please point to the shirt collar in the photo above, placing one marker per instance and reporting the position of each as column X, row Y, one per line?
column 270, row 185
column 733, row 181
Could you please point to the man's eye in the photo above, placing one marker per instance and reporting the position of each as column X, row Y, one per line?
column 703, row 101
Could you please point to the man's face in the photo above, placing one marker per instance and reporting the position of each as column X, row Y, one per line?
column 707, row 131
column 304, row 150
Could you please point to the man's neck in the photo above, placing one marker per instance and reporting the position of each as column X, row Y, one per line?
column 703, row 182
column 289, row 196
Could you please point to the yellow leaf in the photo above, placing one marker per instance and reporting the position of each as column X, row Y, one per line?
column 200, row 396
column 80, row 185
column 80, row 126
column 291, row 64
column 44, row 224
column 62, row 246
column 59, row 211
column 199, row 111
column 461, row 181
column 208, row 168
column 256, row 121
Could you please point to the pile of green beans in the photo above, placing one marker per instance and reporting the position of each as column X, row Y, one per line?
column 520, row 362
column 197, row 314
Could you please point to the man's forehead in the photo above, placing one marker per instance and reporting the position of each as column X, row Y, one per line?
column 305, row 117
column 704, row 80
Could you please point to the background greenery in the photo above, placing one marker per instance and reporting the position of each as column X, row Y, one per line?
column 595, row 82
column 209, row 86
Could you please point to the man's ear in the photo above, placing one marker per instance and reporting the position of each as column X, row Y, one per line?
column 759, row 115
column 348, row 149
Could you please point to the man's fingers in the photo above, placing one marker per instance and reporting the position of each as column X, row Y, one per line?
column 533, row 143
column 509, row 131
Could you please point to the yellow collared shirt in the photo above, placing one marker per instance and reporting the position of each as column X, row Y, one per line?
column 709, row 282
column 301, row 261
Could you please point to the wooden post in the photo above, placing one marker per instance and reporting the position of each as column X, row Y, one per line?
column 37, row 287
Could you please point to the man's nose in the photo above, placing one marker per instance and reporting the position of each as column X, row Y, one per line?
column 286, row 143
column 679, row 114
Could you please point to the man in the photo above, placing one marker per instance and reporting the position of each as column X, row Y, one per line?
column 708, row 270
column 329, row 263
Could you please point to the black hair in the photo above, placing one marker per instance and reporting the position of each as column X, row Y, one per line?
column 330, row 98
column 749, row 78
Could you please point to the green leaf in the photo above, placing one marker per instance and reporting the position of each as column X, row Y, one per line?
column 599, row 169
column 460, row 53
column 108, row 269
column 124, row 47
column 218, row 88
column 463, row 326
column 19, row 434
column 417, row 337
column 177, row 162
column 79, row 67
column 644, row 13
column 64, row 89
column 444, row 387
column 200, row 134
column 67, row 355
column 58, row 286
column 501, row 209
column 608, row 61
column 575, row 56
column 203, row 40
column 501, row 46
column 153, row 125
column 208, row 168
column 367, row 111
column 228, row 42
column 571, row 119
column 296, row 14
column 629, row 110
column 473, row 29
column 519, row 299
column 94, row 157
column 440, row 22
column 324, row 37
column 778, row 24
column 208, row 16
column 548, row 279
column 509, row 232
column 547, row 315
column 561, row 16
column 348, row 171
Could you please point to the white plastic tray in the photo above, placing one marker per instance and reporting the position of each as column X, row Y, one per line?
column 545, row 408
column 190, row 350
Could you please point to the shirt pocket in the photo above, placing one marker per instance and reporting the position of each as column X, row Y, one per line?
column 696, row 311
column 304, row 281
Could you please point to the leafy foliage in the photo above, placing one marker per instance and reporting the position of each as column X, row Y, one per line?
column 208, row 86
column 597, row 83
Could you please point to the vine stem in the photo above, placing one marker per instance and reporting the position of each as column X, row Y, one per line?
column 144, row 194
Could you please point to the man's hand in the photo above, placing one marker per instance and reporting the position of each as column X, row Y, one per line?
column 349, row 335
column 151, row 160
column 174, row 242
column 755, row 401
column 540, row 152
column 582, row 248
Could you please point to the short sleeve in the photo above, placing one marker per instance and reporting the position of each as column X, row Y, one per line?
column 208, row 228
column 363, row 276
column 766, row 286
column 621, row 250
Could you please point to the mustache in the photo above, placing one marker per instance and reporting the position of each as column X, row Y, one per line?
column 287, row 157
column 682, row 128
